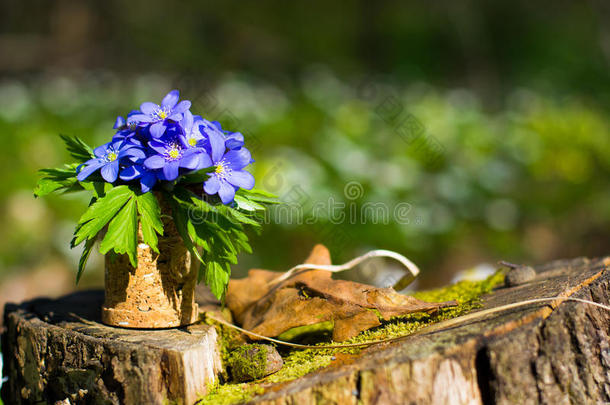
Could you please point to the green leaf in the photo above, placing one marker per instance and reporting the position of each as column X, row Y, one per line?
column 78, row 149
column 258, row 196
column 100, row 213
column 46, row 186
column 180, row 217
column 260, row 192
column 150, row 219
column 122, row 233
column 57, row 179
column 98, row 188
column 234, row 215
column 82, row 263
column 248, row 205
column 217, row 278
column 199, row 234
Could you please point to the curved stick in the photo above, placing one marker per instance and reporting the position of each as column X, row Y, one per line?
column 301, row 268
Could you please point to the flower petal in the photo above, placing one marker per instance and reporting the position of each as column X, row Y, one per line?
column 171, row 99
column 187, row 122
column 148, row 181
column 217, row 144
column 181, row 107
column 132, row 151
column 212, row 185
column 190, row 160
column 158, row 146
column 110, row 171
column 234, row 141
column 149, row 108
column 154, row 162
column 175, row 117
column 157, row 129
column 238, row 159
column 204, row 160
column 120, row 122
column 131, row 173
column 241, row 178
column 101, row 151
column 171, row 170
column 226, row 192
column 90, row 167
column 139, row 118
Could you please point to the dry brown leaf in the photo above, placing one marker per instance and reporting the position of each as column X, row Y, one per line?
column 312, row 297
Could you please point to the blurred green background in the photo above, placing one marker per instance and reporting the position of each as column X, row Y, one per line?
column 509, row 101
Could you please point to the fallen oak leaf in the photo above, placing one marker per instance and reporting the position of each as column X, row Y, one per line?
column 313, row 296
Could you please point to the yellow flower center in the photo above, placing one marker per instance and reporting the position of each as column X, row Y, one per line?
column 162, row 114
column 111, row 157
column 193, row 142
column 220, row 169
column 174, row 153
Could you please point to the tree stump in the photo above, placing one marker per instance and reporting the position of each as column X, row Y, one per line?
column 58, row 350
column 557, row 354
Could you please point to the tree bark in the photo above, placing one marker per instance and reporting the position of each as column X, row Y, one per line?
column 560, row 353
column 58, row 350
column 539, row 354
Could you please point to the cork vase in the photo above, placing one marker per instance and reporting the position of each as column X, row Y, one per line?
column 159, row 293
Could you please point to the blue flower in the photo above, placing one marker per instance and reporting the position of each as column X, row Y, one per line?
column 234, row 140
column 171, row 155
column 148, row 178
column 191, row 137
column 107, row 158
column 228, row 175
column 160, row 116
column 127, row 129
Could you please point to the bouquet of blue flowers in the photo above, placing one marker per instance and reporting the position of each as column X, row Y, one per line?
column 164, row 156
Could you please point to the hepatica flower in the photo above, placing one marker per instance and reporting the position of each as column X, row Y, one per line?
column 190, row 163
column 170, row 156
column 108, row 158
column 228, row 175
column 127, row 129
column 160, row 143
column 137, row 171
column 160, row 116
column 191, row 136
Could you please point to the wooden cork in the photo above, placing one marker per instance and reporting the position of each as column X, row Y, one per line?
column 159, row 293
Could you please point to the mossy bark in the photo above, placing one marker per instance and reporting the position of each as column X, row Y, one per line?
column 536, row 354
column 254, row 361
column 56, row 349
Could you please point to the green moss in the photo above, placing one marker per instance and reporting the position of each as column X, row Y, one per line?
column 230, row 339
column 466, row 293
column 301, row 362
column 228, row 394
column 248, row 362
column 298, row 363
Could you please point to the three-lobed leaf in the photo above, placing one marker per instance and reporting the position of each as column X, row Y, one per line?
column 217, row 277
column 122, row 233
column 101, row 212
column 150, row 219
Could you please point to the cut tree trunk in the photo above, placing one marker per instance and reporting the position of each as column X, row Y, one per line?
column 557, row 354
column 552, row 354
column 58, row 350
